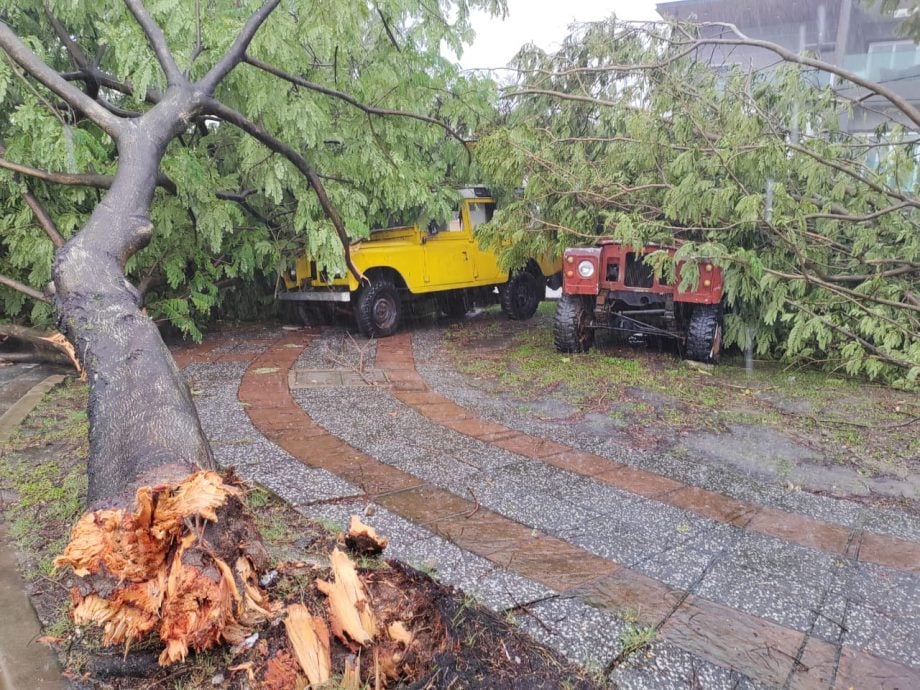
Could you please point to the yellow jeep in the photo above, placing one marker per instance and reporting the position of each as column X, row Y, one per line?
column 405, row 264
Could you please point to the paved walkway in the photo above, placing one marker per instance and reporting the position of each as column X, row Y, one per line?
column 578, row 539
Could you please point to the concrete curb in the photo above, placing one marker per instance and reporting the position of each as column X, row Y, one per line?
column 24, row 664
column 14, row 416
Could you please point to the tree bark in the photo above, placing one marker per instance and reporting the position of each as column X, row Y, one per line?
column 144, row 428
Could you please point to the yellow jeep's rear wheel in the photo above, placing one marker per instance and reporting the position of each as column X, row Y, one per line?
column 378, row 308
column 521, row 295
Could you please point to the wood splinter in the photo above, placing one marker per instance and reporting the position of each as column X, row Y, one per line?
column 309, row 637
column 363, row 539
column 350, row 612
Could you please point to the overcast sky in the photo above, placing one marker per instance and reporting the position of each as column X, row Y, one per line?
column 543, row 22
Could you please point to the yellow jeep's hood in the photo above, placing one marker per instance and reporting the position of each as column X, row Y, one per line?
column 386, row 234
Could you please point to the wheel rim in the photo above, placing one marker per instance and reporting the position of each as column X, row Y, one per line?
column 581, row 328
column 716, row 342
column 385, row 312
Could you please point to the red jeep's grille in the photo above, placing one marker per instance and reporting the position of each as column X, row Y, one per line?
column 581, row 271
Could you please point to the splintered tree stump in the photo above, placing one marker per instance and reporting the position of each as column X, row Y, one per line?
column 181, row 562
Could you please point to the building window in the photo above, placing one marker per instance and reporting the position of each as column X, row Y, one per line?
column 891, row 55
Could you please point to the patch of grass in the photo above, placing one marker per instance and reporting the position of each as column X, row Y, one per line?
column 635, row 638
column 42, row 468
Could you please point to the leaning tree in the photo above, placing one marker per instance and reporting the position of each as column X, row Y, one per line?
column 665, row 133
column 180, row 144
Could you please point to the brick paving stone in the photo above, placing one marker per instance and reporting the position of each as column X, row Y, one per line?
column 633, row 596
column 638, row 481
column 818, row 535
column 862, row 670
column 530, row 446
column 481, row 531
column 579, row 462
column 816, row 668
column 889, row 551
column 734, row 639
column 714, row 506
column 553, row 562
column 426, row 505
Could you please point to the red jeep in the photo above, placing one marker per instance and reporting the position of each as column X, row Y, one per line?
column 610, row 287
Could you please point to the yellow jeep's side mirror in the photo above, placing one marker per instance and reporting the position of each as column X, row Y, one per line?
column 433, row 227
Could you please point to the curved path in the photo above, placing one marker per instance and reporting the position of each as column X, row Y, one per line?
column 819, row 650
column 395, row 356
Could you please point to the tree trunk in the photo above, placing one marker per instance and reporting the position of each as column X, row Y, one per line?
column 144, row 428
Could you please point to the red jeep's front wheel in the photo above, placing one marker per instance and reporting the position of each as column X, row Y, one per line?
column 572, row 330
column 704, row 333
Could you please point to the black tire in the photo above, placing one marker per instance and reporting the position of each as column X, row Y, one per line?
column 378, row 309
column 572, row 330
column 704, row 334
column 454, row 305
column 521, row 296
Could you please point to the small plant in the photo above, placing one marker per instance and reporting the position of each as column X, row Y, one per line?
column 636, row 637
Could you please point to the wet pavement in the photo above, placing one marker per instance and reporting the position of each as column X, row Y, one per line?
column 578, row 536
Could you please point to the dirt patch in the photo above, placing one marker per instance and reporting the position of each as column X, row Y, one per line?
column 816, row 431
column 455, row 642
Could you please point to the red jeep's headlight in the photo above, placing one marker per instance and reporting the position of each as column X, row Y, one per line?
column 586, row 269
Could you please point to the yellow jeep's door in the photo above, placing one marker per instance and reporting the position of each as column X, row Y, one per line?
column 449, row 256
column 485, row 262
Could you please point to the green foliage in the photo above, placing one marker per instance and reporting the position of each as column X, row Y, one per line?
column 910, row 27
column 374, row 167
column 749, row 169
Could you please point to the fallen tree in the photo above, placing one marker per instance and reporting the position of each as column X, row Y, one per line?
column 795, row 174
column 165, row 535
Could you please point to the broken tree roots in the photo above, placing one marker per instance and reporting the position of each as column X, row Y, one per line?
column 182, row 563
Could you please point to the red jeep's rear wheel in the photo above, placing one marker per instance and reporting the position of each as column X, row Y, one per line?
column 704, row 333
column 572, row 330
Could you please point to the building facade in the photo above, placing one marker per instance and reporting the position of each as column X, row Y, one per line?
column 845, row 33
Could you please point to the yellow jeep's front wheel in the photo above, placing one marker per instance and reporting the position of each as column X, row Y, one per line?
column 378, row 308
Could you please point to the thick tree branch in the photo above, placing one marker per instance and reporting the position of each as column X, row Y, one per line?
column 24, row 289
column 77, row 56
column 44, row 219
column 94, row 180
column 237, row 51
column 370, row 110
column 41, row 215
column 31, row 63
column 259, row 133
column 157, row 42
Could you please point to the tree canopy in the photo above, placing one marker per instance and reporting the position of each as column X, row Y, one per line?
column 629, row 131
column 357, row 88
